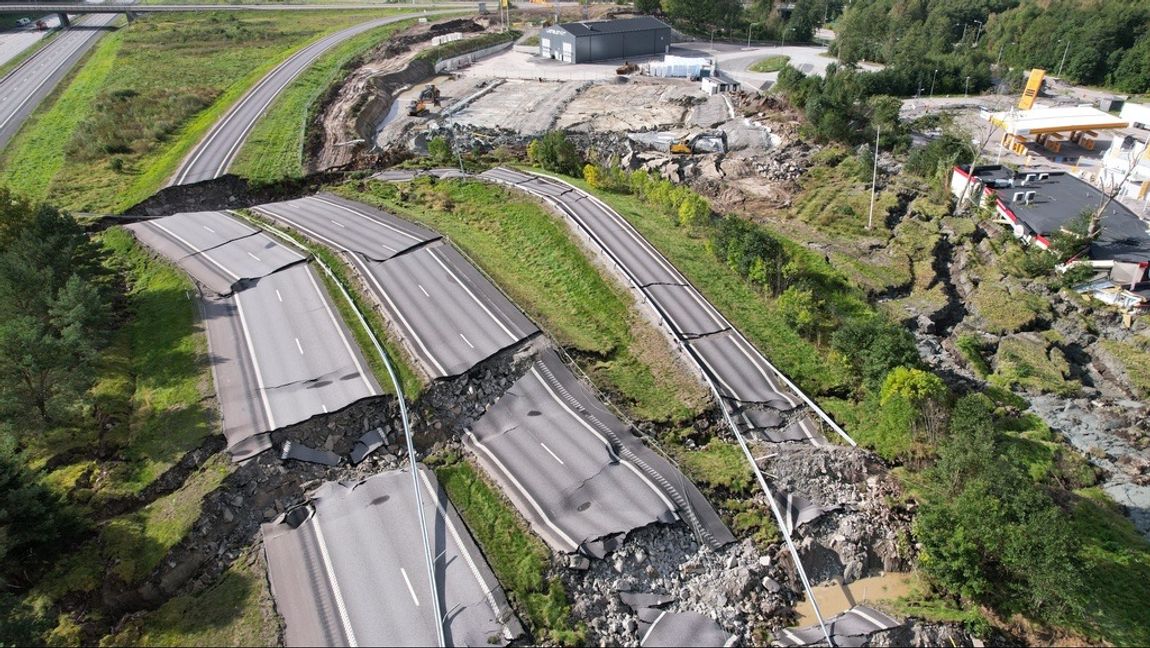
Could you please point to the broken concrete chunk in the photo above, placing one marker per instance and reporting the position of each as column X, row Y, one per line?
column 311, row 455
column 367, row 444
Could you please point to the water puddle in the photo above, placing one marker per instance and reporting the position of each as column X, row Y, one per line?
column 834, row 599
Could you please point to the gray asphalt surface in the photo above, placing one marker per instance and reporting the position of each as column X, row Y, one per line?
column 683, row 629
column 349, row 226
column 214, row 154
column 220, row 252
column 452, row 316
column 348, row 569
column 851, row 628
column 742, row 373
column 558, row 469
column 279, row 352
column 22, row 89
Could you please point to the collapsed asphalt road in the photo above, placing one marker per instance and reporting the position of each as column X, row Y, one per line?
column 279, row 352
column 347, row 569
column 447, row 313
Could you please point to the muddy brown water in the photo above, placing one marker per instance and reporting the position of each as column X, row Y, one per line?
column 835, row 598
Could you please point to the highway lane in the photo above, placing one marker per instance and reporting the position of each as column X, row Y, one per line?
column 451, row 316
column 559, row 470
column 348, row 569
column 215, row 153
column 23, row 88
column 740, row 371
column 349, row 226
column 279, row 353
column 218, row 251
column 304, row 358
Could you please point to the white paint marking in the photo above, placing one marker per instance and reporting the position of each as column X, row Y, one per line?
column 514, row 338
column 467, row 341
column 552, row 453
column 409, row 587
column 299, row 346
column 209, row 229
column 255, row 257
column 343, row 338
column 423, row 290
column 279, row 296
column 255, row 362
column 335, row 222
column 339, row 604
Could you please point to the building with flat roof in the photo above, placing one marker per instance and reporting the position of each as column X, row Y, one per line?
column 1037, row 205
column 1051, row 127
column 604, row 40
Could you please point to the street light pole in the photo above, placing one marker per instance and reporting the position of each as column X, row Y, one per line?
column 1064, row 53
column 977, row 33
column 966, row 88
column 932, row 78
column 749, row 34
column 873, row 178
column 784, row 43
column 713, row 39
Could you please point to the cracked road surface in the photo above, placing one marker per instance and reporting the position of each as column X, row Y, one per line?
column 448, row 314
column 747, row 381
column 347, row 569
column 279, row 353
column 574, row 470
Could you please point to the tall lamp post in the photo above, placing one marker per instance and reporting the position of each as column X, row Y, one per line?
column 1064, row 53
column 966, row 88
column 932, row 78
column 977, row 33
column 749, row 34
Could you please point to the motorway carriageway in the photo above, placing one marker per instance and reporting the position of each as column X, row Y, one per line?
column 449, row 316
column 754, row 392
column 347, row 569
column 548, row 441
column 23, row 88
column 211, row 158
column 279, row 353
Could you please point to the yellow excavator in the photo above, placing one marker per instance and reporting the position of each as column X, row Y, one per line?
column 429, row 94
column 682, row 147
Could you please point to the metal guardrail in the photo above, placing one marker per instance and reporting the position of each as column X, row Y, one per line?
column 429, row 555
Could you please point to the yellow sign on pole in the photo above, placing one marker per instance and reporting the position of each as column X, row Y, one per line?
column 1033, row 85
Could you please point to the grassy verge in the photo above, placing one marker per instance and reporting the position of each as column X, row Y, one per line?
column 117, row 130
column 236, row 611
column 517, row 557
column 1116, row 574
column 149, row 396
column 409, row 380
column 274, row 149
column 771, row 63
column 532, row 255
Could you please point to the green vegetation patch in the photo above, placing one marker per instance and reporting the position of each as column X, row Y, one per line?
column 1135, row 361
column 134, row 544
column 771, row 63
column 275, row 147
column 117, row 130
column 720, row 465
column 1116, row 572
column 235, row 611
column 1006, row 307
column 517, row 557
column 1031, row 363
column 531, row 255
column 155, row 377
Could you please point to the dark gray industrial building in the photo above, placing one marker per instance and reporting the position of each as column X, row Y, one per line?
column 585, row 42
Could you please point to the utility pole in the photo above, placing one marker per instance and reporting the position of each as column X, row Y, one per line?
column 932, row 78
column 1064, row 53
column 966, row 88
column 873, row 178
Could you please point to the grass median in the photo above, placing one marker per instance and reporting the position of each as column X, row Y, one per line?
column 116, row 130
column 531, row 255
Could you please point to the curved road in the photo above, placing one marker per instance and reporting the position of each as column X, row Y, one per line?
column 22, row 89
column 214, row 154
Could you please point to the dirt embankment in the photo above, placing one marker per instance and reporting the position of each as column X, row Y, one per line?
column 343, row 124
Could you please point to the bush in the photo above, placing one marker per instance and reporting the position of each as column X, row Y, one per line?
column 751, row 252
column 874, row 347
column 439, row 150
column 554, row 153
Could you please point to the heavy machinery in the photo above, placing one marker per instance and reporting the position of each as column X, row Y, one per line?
column 416, row 108
column 430, row 93
column 627, row 68
column 682, row 147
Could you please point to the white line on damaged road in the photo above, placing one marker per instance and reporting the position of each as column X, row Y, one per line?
column 552, row 453
column 409, row 587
